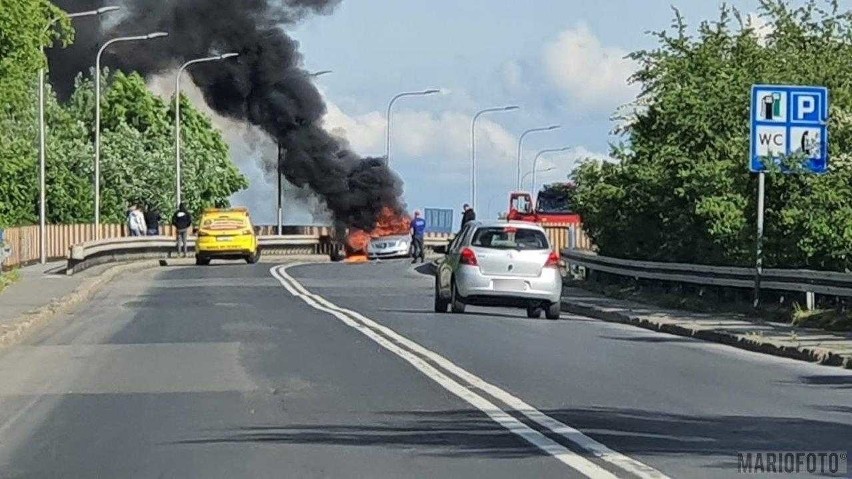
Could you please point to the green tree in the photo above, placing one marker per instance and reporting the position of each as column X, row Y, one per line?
column 25, row 28
column 137, row 150
column 680, row 189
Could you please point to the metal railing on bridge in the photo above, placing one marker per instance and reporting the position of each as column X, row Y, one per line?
column 785, row 280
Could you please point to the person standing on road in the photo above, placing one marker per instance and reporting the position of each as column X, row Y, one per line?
column 182, row 220
column 418, row 231
column 136, row 221
column 152, row 221
column 468, row 215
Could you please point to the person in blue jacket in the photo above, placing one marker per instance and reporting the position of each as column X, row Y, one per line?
column 418, row 230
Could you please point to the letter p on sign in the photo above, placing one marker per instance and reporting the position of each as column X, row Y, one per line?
column 806, row 107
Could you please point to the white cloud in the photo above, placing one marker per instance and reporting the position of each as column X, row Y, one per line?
column 421, row 134
column 589, row 73
column 512, row 75
column 762, row 28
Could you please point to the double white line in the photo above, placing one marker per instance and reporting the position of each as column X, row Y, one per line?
column 462, row 383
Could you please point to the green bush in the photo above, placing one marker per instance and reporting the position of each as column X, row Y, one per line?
column 680, row 189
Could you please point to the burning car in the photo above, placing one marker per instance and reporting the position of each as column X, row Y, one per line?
column 395, row 246
column 389, row 238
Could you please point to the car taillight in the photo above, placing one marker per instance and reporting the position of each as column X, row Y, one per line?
column 552, row 260
column 468, row 257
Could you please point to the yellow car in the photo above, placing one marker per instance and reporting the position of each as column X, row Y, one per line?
column 226, row 234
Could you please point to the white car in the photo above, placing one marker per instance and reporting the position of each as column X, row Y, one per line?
column 389, row 247
column 499, row 263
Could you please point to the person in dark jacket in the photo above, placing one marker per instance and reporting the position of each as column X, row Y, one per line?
column 468, row 215
column 152, row 221
column 182, row 221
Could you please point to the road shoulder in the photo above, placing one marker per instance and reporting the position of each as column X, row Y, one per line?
column 831, row 349
column 41, row 294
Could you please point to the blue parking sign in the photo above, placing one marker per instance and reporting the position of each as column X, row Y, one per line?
column 789, row 120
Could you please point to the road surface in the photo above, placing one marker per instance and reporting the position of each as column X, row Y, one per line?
column 333, row 370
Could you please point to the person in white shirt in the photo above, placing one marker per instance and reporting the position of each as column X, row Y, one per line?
column 136, row 221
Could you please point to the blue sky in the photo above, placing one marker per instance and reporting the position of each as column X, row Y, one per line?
column 561, row 61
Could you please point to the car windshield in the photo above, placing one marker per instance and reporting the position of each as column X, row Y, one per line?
column 509, row 237
column 553, row 204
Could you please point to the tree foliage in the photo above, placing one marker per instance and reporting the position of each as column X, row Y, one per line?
column 26, row 27
column 137, row 136
column 680, row 189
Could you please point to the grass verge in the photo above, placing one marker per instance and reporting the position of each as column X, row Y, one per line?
column 712, row 300
column 827, row 319
column 9, row 278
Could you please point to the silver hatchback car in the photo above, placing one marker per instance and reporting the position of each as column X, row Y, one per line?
column 499, row 263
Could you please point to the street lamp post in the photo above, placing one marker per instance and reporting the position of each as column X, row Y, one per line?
column 535, row 162
column 390, row 107
column 282, row 154
column 473, row 147
column 98, row 119
column 42, row 200
column 550, row 168
column 520, row 146
column 177, row 114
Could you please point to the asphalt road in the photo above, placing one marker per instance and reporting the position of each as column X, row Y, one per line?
column 335, row 370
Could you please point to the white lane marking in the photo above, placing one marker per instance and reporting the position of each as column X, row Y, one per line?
column 558, row 451
column 598, row 449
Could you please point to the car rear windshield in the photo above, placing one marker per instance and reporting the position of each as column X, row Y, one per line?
column 509, row 237
column 224, row 223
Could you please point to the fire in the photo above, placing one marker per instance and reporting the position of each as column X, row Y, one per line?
column 389, row 223
column 356, row 246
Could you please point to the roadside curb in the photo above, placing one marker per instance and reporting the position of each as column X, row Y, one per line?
column 756, row 344
column 15, row 330
column 271, row 258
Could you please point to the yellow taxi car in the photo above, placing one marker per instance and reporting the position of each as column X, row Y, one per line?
column 226, row 234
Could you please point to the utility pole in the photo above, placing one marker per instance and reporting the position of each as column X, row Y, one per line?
column 282, row 153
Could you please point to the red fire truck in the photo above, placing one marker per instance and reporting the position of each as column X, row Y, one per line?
column 550, row 207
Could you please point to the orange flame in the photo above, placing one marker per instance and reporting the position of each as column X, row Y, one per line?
column 389, row 223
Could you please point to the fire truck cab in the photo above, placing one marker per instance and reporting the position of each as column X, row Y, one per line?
column 548, row 208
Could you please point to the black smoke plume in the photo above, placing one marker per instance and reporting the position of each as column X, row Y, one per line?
column 265, row 85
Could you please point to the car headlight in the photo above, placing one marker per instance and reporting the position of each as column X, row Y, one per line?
column 403, row 244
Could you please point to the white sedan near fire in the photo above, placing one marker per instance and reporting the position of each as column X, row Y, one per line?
column 499, row 263
column 397, row 246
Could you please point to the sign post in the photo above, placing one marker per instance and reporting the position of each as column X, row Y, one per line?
column 786, row 121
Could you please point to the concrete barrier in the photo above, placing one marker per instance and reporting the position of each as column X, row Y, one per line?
column 92, row 253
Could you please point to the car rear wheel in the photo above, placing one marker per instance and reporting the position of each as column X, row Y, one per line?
column 441, row 304
column 253, row 258
column 456, row 304
column 534, row 312
column 553, row 310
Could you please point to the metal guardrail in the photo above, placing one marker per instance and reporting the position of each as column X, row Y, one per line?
column 798, row 280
